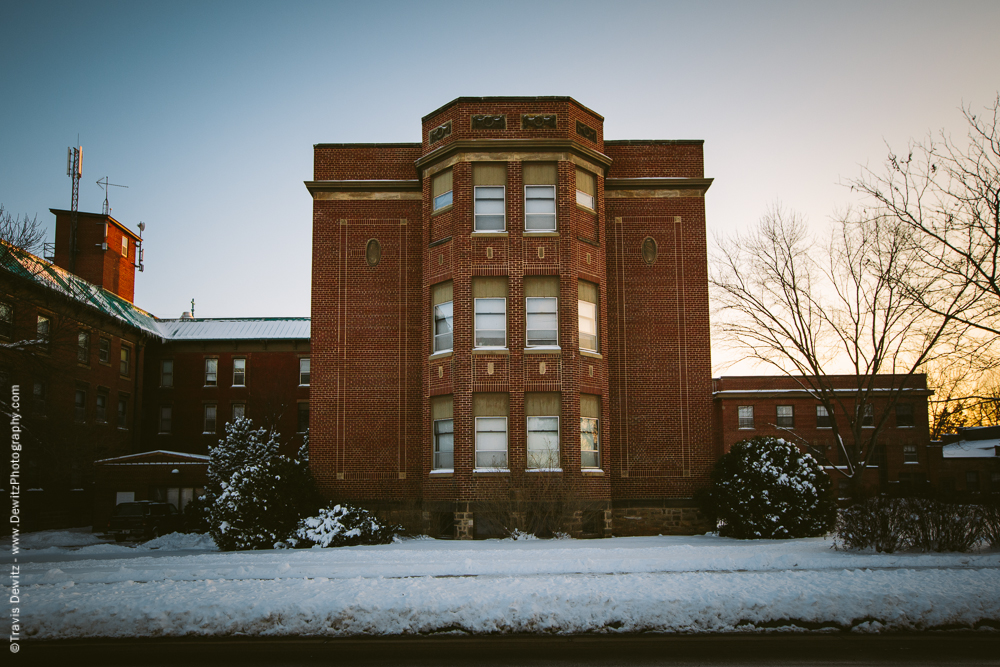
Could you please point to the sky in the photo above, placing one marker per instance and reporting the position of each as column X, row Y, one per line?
column 208, row 111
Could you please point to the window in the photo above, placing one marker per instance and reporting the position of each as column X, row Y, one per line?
column 166, row 414
column 125, row 363
column 490, row 412
column 489, row 180
column 995, row 482
column 122, row 412
column 823, row 418
column 303, row 422
column 210, row 414
column 167, row 373
column 442, row 412
column 490, row 306
column 80, row 405
column 304, row 372
column 441, row 312
column 589, row 294
column 211, row 372
column 972, row 481
column 542, row 411
column 786, row 416
column 745, row 413
column 441, row 189
column 910, row 454
column 101, row 413
column 541, row 319
column 6, row 320
column 239, row 372
column 868, row 416
column 590, row 441
column 239, row 411
column 83, row 347
column 38, row 395
column 539, row 196
column 44, row 330
column 904, row 415
column 586, row 189
column 124, row 246
column 104, row 350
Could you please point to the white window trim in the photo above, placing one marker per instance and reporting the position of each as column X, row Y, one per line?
column 215, row 372
column 591, row 206
column 434, row 452
column 527, row 341
column 506, row 450
column 171, row 362
column 555, row 218
column 475, row 324
column 309, row 360
column 159, row 425
column 597, row 442
column 244, row 360
column 204, row 421
column 451, row 200
column 475, row 215
column 777, row 417
column 597, row 318
column 829, row 415
column 558, row 451
column 435, row 321
column 740, row 418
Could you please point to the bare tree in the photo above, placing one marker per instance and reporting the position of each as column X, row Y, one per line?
column 848, row 307
column 947, row 193
column 21, row 231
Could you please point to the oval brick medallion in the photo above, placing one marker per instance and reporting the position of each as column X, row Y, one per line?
column 649, row 250
column 373, row 252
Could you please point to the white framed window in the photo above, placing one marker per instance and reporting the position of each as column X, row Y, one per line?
column 166, row 418
column 489, row 208
column 823, row 417
column 910, row 454
column 543, row 442
column 491, row 322
column 304, row 372
column 441, row 190
column 868, row 416
column 586, row 189
column 167, row 373
column 83, row 347
column 239, row 372
column 785, row 416
column 444, row 444
column 541, row 321
column 443, row 320
column 211, row 411
column 590, row 443
column 588, row 312
column 125, row 246
column 539, row 208
column 239, row 411
column 125, row 361
column 491, row 443
column 211, row 372
column 745, row 413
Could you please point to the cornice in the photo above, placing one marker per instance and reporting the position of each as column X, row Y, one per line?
column 509, row 145
column 364, row 186
column 657, row 183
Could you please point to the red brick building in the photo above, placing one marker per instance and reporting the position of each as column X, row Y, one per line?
column 513, row 295
column 780, row 406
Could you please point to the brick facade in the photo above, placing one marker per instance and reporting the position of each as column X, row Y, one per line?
column 375, row 369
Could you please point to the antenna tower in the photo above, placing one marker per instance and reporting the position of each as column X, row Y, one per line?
column 104, row 186
column 74, row 169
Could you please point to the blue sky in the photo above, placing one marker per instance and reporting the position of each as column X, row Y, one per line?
column 208, row 111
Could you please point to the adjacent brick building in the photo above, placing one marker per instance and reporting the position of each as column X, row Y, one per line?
column 513, row 295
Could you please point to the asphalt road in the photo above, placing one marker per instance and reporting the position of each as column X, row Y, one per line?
column 960, row 648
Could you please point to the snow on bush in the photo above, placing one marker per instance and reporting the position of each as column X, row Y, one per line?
column 256, row 496
column 343, row 526
column 766, row 488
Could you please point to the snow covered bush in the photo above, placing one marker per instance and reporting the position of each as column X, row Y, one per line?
column 343, row 526
column 766, row 488
column 256, row 496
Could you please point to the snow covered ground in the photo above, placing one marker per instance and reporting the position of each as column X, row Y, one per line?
column 77, row 585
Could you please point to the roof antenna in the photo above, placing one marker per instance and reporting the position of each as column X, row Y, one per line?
column 104, row 186
column 192, row 307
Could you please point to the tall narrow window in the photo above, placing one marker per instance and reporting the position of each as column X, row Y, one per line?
column 786, row 416
column 239, row 411
column 125, row 362
column 441, row 189
column 303, row 413
column 104, row 350
column 542, row 411
column 122, row 412
column 239, row 372
column 83, row 347
column 210, row 418
column 745, row 416
column 541, row 311
column 590, row 441
column 6, row 320
column 44, row 331
column 101, row 413
column 823, row 417
column 167, row 373
column 904, row 415
column 441, row 314
column 539, row 197
column 125, row 246
column 442, row 412
column 490, row 412
column 489, row 180
column 80, row 405
column 166, row 419
column 586, row 189
column 211, row 372
column 589, row 315
column 490, row 305
column 868, row 416
column 304, row 372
